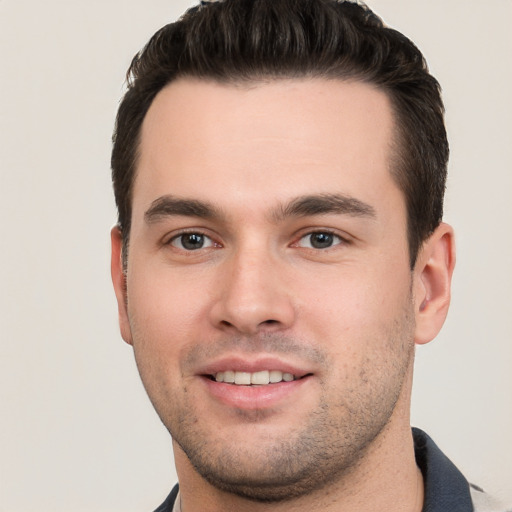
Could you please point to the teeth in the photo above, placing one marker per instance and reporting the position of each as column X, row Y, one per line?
column 261, row 378
column 242, row 378
column 275, row 376
column 229, row 376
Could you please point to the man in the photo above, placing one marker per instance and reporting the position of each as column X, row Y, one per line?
column 279, row 169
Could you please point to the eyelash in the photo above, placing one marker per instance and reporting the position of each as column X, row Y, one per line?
column 335, row 239
column 192, row 233
column 333, row 236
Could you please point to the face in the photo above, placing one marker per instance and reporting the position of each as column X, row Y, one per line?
column 268, row 290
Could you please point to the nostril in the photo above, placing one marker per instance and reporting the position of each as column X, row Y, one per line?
column 249, row 328
column 269, row 325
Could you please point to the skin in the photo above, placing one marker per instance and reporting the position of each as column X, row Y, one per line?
column 255, row 173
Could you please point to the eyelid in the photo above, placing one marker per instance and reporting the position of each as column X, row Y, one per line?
column 343, row 238
column 169, row 238
column 207, row 242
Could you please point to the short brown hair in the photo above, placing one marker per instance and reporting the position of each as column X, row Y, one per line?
column 248, row 40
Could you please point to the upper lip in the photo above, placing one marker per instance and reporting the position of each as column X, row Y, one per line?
column 252, row 365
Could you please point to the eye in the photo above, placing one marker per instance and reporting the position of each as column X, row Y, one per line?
column 191, row 241
column 319, row 240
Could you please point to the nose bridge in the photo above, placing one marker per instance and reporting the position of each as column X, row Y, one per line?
column 252, row 294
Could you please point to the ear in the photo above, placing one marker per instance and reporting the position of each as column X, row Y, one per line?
column 432, row 283
column 119, row 281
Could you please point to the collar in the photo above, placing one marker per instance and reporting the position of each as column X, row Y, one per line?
column 446, row 489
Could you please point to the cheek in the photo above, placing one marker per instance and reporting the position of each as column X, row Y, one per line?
column 353, row 302
column 165, row 312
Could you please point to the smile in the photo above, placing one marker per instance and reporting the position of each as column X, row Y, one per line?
column 242, row 389
column 261, row 378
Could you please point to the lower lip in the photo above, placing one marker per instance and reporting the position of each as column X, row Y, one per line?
column 254, row 397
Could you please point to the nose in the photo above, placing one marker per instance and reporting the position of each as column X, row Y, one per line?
column 252, row 295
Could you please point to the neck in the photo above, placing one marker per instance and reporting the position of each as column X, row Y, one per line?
column 387, row 479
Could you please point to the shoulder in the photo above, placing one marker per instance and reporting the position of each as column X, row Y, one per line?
column 168, row 504
column 446, row 488
column 483, row 502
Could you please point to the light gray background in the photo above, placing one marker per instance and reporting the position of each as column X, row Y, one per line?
column 76, row 430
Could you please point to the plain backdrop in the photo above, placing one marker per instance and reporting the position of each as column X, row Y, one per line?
column 77, row 432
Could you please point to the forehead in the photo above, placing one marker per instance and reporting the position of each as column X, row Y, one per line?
column 265, row 141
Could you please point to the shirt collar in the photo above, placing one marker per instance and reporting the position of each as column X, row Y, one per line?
column 446, row 489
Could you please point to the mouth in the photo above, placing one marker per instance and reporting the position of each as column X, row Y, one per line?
column 255, row 385
column 259, row 378
column 261, row 382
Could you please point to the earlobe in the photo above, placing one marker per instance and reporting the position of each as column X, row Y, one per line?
column 432, row 283
column 119, row 282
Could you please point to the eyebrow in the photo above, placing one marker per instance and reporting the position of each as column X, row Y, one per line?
column 322, row 204
column 168, row 206
column 303, row 206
